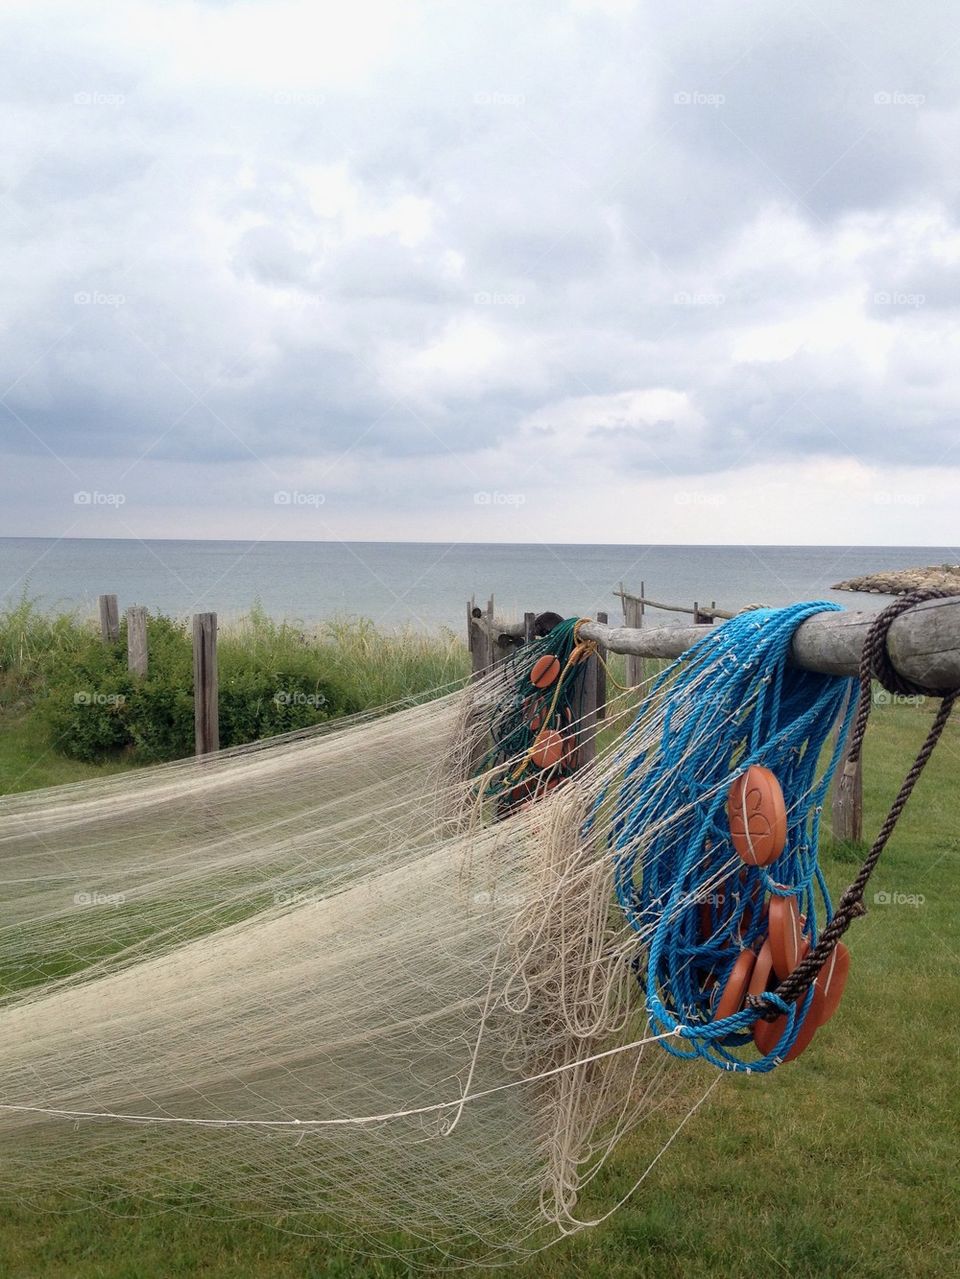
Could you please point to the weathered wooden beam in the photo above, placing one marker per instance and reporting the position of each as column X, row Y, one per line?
column 633, row 620
column 601, row 673
column 587, row 725
column 846, row 800
column 109, row 619
column 670, row 608
column 206, row 717
column 923, row 643
column 137, row 640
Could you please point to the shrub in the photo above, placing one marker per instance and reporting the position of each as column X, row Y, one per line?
column 273, row 677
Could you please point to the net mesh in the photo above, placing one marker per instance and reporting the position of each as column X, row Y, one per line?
column 329, row 976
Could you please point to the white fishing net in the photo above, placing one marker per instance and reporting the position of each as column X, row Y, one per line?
column 314, row 978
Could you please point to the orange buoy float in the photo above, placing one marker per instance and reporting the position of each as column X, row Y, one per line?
column 767, row 1034
column 785, row 930
column 735, row 987
column 762, row 971
column 830, row 982
column 544, row 671
column 534, row 709
column 548, row 748
column 757, row 816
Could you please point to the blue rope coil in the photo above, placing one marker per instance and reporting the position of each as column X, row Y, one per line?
column 731, row 701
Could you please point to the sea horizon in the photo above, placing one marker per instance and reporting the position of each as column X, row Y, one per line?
column 425, row 584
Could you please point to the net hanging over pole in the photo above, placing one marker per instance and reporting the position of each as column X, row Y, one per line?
column 421, row 972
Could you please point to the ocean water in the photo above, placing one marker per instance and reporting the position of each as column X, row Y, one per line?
column 426, row 585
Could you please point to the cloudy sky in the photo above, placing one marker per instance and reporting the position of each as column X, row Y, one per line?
column 481, row 271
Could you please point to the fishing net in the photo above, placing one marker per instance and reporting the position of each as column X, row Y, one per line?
column 350, row 977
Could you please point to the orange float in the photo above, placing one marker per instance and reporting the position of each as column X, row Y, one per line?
column 767, row 1034
column 533, row 711
column 735, row 987
column 785, row 931
column 757, row 816
column 544, row 671
column 760, row 978
column 829, row 985
column 548, row 749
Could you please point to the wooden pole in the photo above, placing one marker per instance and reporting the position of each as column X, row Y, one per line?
column 633, row 617
column 923, row 643
column 588, row 714
column 846, row 801
column 205, row 708
column 529, row 620
column 137, row 640
column 109, row 619
column 601, row 674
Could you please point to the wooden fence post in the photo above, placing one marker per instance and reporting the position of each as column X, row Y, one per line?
column 633, row 616
column 601, row 673
column 478, row 642
column 109, row 619
column 846, row 801
column 492, row 649
column 205, row 710
column 137, row 639
column 529, row 625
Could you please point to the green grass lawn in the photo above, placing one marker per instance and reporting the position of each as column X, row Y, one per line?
column 844, row 1163
column 29, row 759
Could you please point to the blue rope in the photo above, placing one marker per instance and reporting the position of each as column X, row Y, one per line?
column 731, row 701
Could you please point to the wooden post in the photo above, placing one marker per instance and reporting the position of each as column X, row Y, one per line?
column 137, row 640
column 846, row 801
column 601, row 674
column 529, row 620
column 587, row 725
column 633, row 617
column 205, row 712
column 109, row 619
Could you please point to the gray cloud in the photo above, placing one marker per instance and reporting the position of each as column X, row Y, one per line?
column 432, row 244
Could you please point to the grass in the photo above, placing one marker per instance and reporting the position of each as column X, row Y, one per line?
column 841, row 1164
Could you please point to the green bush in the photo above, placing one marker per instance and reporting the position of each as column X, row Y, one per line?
column 273, row 677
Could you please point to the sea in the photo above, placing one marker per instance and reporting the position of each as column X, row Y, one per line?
column 426, row 585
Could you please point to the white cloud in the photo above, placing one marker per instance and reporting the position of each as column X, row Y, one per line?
column 623, row 249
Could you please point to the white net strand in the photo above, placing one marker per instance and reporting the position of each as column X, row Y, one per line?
column 311, row 978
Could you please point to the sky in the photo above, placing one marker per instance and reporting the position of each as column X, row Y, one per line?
column 573, row 272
